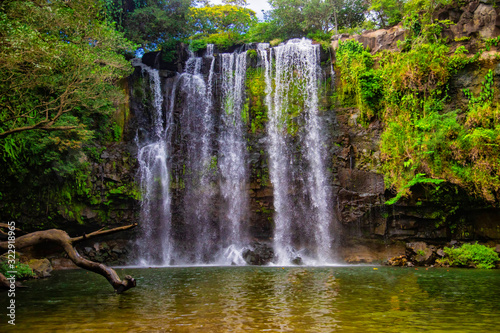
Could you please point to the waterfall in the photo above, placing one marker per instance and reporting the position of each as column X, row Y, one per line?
column 302, row 196
column 194, row 163
column 155, row 242
column 199, row 171
column 232, row 154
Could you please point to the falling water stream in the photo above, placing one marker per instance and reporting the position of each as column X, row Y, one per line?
column 215, row 171
column 302, row 199
column 154, row 177
column 232, row 154
column 197, row 131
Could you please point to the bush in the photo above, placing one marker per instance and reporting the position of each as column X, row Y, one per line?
column 470, row 255
column 23, row 271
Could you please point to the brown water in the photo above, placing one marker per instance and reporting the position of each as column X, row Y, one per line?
column 263, row 299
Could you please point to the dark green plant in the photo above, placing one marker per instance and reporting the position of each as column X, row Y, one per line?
column 23, row 271
column 470, row 255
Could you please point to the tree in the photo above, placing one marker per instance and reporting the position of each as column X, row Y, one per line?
column 223, row 25
column 60, row 64
column 221, row 18
column 158, row 24
column 352, row 13
column 288, row 17
column 297, row 18
column 388, row 12
column 58, row 58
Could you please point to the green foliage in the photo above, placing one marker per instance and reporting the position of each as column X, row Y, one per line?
column 61, row 83
column 221, row 18
column 155, row 25
column 61, row 62
column 323, row 38
column 23, row 271
column 360, row 85
column 298, row 18
column 476, row 149
column 255, row 91
column 222, row 25
column 418, row 179
column 388, row 12
column 489, row 42
column 422, row 141
column 261, row 32
column 117, row 132
column 470, row 255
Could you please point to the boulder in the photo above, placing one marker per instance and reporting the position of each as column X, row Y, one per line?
column 258, row 254
column 419, row 252
column 41, row 267
column 297, row 261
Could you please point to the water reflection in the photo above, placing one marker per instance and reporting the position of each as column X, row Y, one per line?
column 272, row 299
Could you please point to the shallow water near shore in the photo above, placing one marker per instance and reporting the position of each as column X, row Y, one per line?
column 263, row 299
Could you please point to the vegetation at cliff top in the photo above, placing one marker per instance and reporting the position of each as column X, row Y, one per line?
column 423, row 140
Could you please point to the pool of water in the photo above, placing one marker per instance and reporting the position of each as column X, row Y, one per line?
column 263, row 299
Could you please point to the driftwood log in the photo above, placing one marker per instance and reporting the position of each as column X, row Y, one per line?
column 61, row 238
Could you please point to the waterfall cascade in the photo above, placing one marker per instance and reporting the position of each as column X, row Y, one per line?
column 203, row 123
column 154, row 174
column 196, row 128
column 232, row 154
column 302, row 198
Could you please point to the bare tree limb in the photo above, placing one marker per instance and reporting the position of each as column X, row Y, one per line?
column 101, row 232
column 62, row 239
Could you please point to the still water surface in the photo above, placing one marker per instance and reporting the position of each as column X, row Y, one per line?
column 263, row 299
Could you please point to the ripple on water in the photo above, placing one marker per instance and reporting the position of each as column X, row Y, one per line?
column 264, row 299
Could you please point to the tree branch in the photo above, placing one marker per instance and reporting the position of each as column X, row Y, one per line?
column 62, row 239
column 36, row 127
column 101, row 233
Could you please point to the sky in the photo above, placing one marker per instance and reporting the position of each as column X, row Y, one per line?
column 255, row 5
